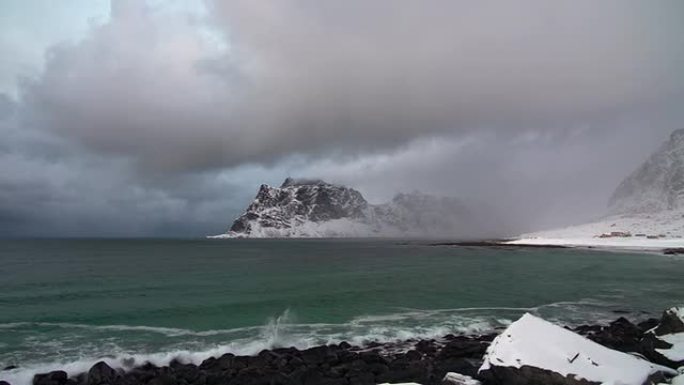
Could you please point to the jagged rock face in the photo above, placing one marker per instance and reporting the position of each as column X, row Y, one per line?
column 313, row 208
column 656, row 185
column 296, row 202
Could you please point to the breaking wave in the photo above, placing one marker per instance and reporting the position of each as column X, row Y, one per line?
column 83, row 345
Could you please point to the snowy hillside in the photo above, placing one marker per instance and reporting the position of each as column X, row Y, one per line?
column 314, row 208
column 656, row 185
column 646, row 211
column 661, row 230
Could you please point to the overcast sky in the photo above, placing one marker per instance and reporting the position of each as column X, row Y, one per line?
column 161, row 118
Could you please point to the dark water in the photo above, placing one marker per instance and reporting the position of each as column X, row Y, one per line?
column 70, row 302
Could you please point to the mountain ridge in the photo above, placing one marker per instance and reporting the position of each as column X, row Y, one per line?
column 656, row 185
column 315, row 208
column 645, row 212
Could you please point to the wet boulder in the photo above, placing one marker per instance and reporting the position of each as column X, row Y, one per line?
column 58, row 377
column 101, row 373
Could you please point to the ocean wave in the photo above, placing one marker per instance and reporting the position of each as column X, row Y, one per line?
column 169, row 332
column 282, row 331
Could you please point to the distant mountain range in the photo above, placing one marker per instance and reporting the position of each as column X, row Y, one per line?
column 650, row 201
column 314, row 208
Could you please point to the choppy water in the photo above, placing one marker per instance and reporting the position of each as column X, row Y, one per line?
column 68, row 303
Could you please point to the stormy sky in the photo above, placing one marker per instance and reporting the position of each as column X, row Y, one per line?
column 161, row 118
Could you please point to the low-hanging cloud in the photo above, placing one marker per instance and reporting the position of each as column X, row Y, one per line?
column 310, row 76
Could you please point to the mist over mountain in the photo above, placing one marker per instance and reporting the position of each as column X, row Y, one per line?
column 314, row 208
column 646, row 210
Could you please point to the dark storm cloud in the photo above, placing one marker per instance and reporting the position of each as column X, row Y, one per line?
column 311, row 76
column 171, row 118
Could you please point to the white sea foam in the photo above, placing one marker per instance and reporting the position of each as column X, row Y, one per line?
column 169, row 332
column 280, row 331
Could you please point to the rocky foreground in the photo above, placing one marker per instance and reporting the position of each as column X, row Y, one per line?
column 482, row 358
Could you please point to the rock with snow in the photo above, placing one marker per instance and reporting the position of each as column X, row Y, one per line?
column 314, row 208
column 664, row 344
column 534, row 351
column 679, row 380
column 459, row 379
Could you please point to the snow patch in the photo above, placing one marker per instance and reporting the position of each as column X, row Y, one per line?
column 676, row 339
column 459, row 379
column 534, row 342
column 676, row 352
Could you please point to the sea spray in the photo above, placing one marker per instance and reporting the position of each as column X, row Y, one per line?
column 275, row 329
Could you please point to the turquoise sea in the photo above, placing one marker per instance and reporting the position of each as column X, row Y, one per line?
column 68, row 303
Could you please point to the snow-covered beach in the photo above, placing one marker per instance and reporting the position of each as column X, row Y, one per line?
column 646, row 232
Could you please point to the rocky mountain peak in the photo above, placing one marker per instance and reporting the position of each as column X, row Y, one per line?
column 302, row 182
column 315, row 208
column 296, row 202
column 657, row 185
column 677, row 136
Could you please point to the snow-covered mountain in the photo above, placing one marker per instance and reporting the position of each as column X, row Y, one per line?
column 645, row 211
column 657, row 185
column 314, row 208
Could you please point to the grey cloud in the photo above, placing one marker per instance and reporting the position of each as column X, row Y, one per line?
column 310, row 77
column 161, row 122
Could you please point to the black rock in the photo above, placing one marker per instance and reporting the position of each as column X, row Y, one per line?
column 311, row 376
column 140, row 374
column 467, row 366
column 463, row 347
column 403, row 370
column 413, row 355
column 101, row 373
column 669, row 323
column 344, row 345
column 372, row 358
column 621, row 335
column 187, row 372
column 427, row 346
column 362, row 378
column 10, row 367
column 4, row 383
column 528, row 375
column 647, row 324
column 216, row 379
column 258, row 376
column 58, row 377
column 164, row 379
column 319, row 355
column 648, row 346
